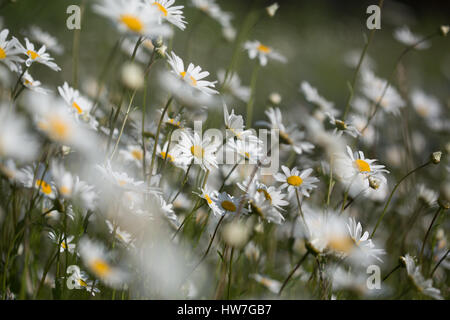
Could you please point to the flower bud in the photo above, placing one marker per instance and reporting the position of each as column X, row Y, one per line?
column 160, row 51
column 374, row 183
column 235, row 234
column 275, row 98
column 436, row 157
column 444, row 196
column 444, row 30
column 272, row 9
column 132, row 76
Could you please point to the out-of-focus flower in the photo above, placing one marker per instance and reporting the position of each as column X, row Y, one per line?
column 121, row 235
column 44, row 38
column 273, row 285
column 236, row 234
column 341, row 127
column 405, row 36
column 312, row 96
column 257, row 49
column 272, row 9
column 428, row 107
column 9, row 51
column 65, row 244
column 233, row 85
column 34, row 85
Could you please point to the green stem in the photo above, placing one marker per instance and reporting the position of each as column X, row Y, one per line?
column 299, row 263
column 428, row 232
column 251, row 101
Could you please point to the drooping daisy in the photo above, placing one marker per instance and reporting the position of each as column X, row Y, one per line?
column 133, row 17
column 121, row 235
column 312, row 96
column 373, row 88
column 423, row 286
column 98, row 260
column 34, row 85
column 227, row 204
column 37, row 56
column 9, row 51
column 78, row 104
column 15, row 139
column 191, row 148
column 257, row 49
column 288, row 135
column 66, row 244
column 193, row 75
column 235, row 125
column 405, row 36
column 167, row 11
column 341, row 127
column 294, row 179
column 233, row 86
column 44, row 38
column 212, row 9
column 362, row 241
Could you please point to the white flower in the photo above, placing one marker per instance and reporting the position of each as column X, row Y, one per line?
column 65, row 244
column 233, row 85
column 373, row 88
column 272, row 9
column 121, row 180
column 362, row 241
column 273, row 285
column 78, row 104
column 167, row 11
column 193, row 75
column 97, row 259
column 415, row 275
column 312, row 96
column 15, row 139
column 292, row 179
column 405, row 36
column 133, row 17
column 235, row 124
column 82, row 280
column 288, row 135
column 227, row 204
column 133, row 154
column 210, row 196
column 343, row 127
column 39, row 56
column 427, row 106
column 42, row 37
column 245, row 150
column 191, row 148
column 9, row 51
column 34, row 85
column 257, row 49
column 42, row 182
column 211, row 8
column 121, row 235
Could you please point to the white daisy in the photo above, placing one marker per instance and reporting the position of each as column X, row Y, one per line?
column 341, row 127
column 405, row 36
column 43, row 181
column 65, row 245
column 312, row 96
column 133, row 17
column 121, row 235
column 78, row 104
column 9, row 51
column 292, row 179
column 257, row 49
column 191, row 148
column 34, row 85
column 362, row 241
column 167, row 11
column 248, row 151
column 39, row 56
column 44, row 38
column 233, row 86
column 426, row 106
column 210, row 196
column 235, row 125
column 212, row 9
column 133, row 154
column 82, row 280
column 227, row 204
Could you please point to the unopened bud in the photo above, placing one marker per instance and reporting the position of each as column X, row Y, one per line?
column 444, row 196
column 436, row 157
column 161, row 51
column 132, row 76
column 275, row 98
column 235, row 234
column 444, row 30
column 341, row 125
column 272, row 9
column 374, row 183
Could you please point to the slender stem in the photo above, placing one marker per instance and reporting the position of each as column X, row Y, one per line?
column 299, row 263
column 184, row 182
column 230, row 273
column 251, row 101
column 440, row 261
column 388, row 82
column 428, row 232
column 158, row 130
column 228, row 176
column 123, row 124
column 392, row 271
column 144, row 111
column 16, row 86
column 392, row 194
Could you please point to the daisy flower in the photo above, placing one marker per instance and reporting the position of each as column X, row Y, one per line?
column 294, row 179
column 121, row 235
column 248, row 151
column 38, row 56
column 121, row 180
column 15, row 139
column 273, row 285
column 210, row 196
column 235, row 124
column 423, row 286
column 44, row 38
column 227, row 204
column 358, row 164
column 171, row 156
column 133, row 154
column 426, row 106
column 312, row 96
column 191, row 148
column 34, row 85
column 97, row 259
column 341, row 127
column 64, row 244
column 82, row 280
column 173, row 14
column 362, row 241
column 233, row 86
column 405, row 36
column 257, row 49
column 212, row 9
column 78, row 104
column 42, row 182
column 133, row 17
column 373, row 88
column 272, row 194
column 9, row 51
column 288, row 135
column 193, row 75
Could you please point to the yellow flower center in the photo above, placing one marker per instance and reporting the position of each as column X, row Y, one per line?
column 63, row 245
column 167, row 156
column 295, row 181
column 161, row 8
column 197, row 151
column 264, row 49
column 362, row 165
column 82, row 283
column 121, row 182
column 77, row 107
column 193, row 80
column 342, row 244
column 132, row 22
column 266, row 194
column 137, row 154
column 44, row 186
column 208, row 199
column 2, row 54
column 65, row 190
column 228, row 205
column 58, row 128
column 100, row 267
column 422, row 110
column 32, row 54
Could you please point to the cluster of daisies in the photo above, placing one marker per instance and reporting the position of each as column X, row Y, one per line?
column 121, row 201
